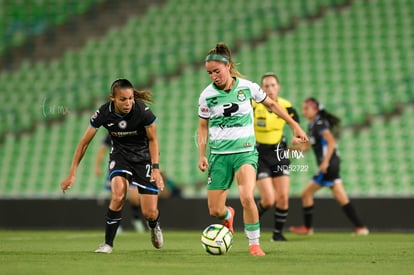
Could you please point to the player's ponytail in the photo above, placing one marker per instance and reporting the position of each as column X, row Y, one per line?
column 123, row 83
column 333, row 120
column 222, row 53
column 144, row 96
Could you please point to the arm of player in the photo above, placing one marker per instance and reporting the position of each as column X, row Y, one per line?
column 202, row 136
column 299, row 136
column 293, row 113
column 300, row 146
column 77, row 157
column 331, row 142
column 151, row 131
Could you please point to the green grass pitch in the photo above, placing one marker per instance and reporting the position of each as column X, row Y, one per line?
column 71, row 252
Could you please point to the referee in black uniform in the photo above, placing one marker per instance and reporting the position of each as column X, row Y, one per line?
column 133, row 157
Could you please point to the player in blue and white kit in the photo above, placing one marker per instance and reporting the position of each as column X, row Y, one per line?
column 226, row 121
column 133, row 158
column 322, row 126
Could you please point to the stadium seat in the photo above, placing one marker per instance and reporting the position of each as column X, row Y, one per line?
column 21, row 20
column 340, row 58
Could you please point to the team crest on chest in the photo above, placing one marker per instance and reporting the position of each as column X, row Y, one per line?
column 241, row 96
column 122, row 124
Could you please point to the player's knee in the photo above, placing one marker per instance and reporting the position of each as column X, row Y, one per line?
column 150, row 214
column 282, row 200
column 118, row 199
column 267, row 202
column 247, row 202
column 305, row 195
column 215, row 212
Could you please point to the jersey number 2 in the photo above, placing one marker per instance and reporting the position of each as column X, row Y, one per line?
column 148, row 167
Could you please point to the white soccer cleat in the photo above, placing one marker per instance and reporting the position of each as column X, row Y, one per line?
column 157, row 238
column 104, row 248
column 361, row 231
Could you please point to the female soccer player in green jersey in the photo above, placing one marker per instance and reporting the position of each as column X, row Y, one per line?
column 226, row 121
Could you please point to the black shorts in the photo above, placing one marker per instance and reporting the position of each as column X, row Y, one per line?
column 332, row 174
column 138, row 174
column 273, row 161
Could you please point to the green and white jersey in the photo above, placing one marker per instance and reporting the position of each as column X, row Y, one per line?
column 230, row 114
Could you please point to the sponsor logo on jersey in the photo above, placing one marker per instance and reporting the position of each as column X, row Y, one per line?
column 261, row 123
column 123, row 134
column 112, row 164
column 241, row 96
column 95, row 115
column 204, row 111
column 122, row 124
column 110, row 124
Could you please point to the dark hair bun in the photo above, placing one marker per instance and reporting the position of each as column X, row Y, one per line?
column 223, row 50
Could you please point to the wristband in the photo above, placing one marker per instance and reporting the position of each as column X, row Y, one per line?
column 155, row 166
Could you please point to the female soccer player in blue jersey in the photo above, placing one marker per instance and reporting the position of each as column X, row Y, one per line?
column 133, row 158
column 226, row 121
column 322, row 125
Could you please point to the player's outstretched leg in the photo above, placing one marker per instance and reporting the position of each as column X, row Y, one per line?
column 350, row 212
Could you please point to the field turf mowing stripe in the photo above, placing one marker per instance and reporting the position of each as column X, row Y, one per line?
column 71, row 252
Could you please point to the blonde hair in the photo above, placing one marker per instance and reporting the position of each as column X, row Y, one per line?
column 224, row 51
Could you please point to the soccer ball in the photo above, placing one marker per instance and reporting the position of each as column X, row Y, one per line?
column 216, row 239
